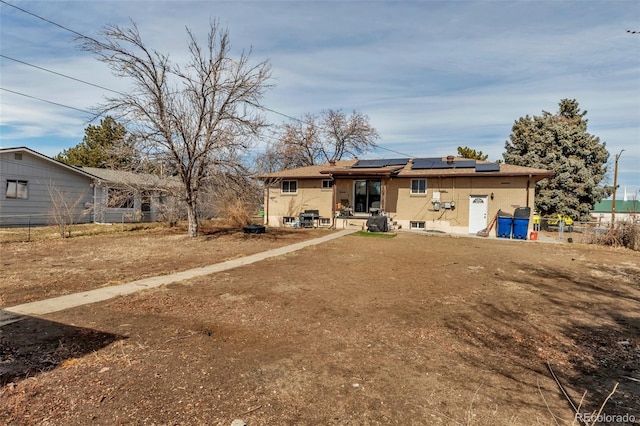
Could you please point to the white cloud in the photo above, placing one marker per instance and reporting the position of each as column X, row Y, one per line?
column 431, row 75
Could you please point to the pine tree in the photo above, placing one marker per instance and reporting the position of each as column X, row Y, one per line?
column 107, row 146
column 560, row 142
column 466, row 152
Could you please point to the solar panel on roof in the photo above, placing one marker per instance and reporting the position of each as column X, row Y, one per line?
column 397, row 161
column 429, row 163
column 439, row 163
column 464, row 164
column 488, row 167
column 369, row 164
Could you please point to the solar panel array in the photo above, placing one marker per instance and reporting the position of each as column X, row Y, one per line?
column 428, row 164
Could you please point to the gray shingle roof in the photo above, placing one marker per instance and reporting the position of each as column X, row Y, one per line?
column 345, row 168
column 145, row 180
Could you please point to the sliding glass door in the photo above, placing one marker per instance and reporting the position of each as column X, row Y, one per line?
column 366, row 195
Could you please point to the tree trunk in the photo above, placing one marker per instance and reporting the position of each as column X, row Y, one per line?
column 192, row 215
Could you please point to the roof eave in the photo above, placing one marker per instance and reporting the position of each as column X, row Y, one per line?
column 51, row 160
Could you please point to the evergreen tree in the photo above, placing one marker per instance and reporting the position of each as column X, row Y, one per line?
column 107, row 146
column 560, row 142
column 466, row 152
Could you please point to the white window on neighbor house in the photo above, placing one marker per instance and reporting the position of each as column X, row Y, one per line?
column 288, row 220
column 289, row 186
column 418, row 186
column 325, row 221
column 327, row 183
column 416, row 225
column 17, row 189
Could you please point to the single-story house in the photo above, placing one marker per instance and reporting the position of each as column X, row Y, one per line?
column 625, row 211
column 447, row 194
column 34, row 188
column 127, row 196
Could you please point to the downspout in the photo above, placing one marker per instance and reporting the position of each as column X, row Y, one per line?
column 528, row 185
column 334, row 196
column 93, row 207
column 266, row 204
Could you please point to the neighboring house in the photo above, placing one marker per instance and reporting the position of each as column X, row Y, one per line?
column 447, row 194
column 122, row 196
column 33, row 186
column 625, row 211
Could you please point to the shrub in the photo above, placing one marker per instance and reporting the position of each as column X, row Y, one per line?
column 623, row 234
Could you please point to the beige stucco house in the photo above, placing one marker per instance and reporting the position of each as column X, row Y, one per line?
column 446, row 194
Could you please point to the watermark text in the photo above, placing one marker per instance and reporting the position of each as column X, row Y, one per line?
column 593, row 418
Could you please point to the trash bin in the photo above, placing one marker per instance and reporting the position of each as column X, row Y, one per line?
column 521, row 223
column 522, row 212
column 505, row 223
column 520, row 228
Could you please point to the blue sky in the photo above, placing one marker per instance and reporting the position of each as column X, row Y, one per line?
column 431, row 75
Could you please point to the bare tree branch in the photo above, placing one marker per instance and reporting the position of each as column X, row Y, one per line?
column 331, row 136
column 197, row 115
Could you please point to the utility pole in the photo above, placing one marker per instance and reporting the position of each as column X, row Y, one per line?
column 615, row 186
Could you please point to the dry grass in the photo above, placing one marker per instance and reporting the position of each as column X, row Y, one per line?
column 624, row 234
column 45, row 233
column 235, row 212
column 413, row 329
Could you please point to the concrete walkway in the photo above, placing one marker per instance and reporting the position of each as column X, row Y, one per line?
column 13, row 314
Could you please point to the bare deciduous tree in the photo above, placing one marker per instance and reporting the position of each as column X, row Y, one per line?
column 65, row 208
column 198, row 115
column 331, row 136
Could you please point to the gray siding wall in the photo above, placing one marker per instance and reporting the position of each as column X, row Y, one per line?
column 41, row 175
column 105, row 214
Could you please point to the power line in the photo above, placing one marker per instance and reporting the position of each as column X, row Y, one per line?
column 47, row 101
column 48, row 21
column 102, row 44
column 114, row 91
column 60, row 74
column 394, row 151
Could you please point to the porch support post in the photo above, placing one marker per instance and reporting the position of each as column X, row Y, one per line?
column 383, row 195
column 267, row 184
column 334, row 203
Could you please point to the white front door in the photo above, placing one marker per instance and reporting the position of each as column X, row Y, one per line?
column 477, row 213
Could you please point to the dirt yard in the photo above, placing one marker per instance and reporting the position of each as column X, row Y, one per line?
column 416, row 329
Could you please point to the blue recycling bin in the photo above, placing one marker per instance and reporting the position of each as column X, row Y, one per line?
column 520, row 228
column 505, row 225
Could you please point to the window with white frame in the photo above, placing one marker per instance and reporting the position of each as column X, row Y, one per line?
column 327, row 183
column 416, row 225
column 17, row 189
column 288, row 220
column 325, row 221
column 289, row 186
column 418, row 186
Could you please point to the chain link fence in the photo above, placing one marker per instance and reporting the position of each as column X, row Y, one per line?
column 621, row 234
